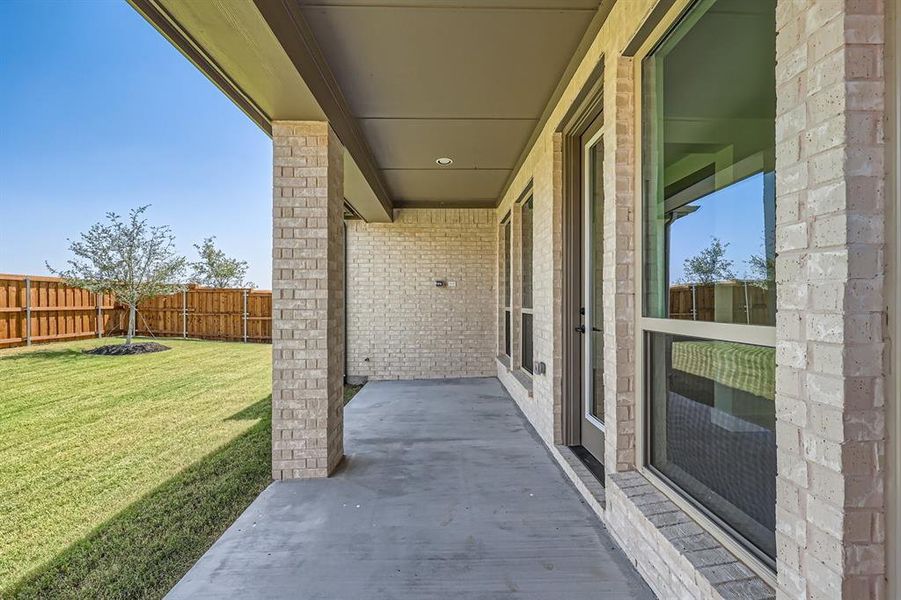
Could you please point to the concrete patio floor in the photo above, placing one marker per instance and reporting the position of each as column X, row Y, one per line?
column 445, row 493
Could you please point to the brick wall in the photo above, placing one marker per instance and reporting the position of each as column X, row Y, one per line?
column 830, row 269
column 677, row 557
column 829, row 398
column 540, row 403
column 830, row 273
column 307, row 300
column 619, row 268
column 543, row 166
column 399, row 324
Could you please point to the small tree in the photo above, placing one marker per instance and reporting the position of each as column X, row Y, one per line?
column 761, row 270
column 709, row 265
column 127, row 258
column 215, row 269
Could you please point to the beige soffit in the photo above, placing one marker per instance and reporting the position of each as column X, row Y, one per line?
column 424, row 79
column 231, row 43
column 600, row 16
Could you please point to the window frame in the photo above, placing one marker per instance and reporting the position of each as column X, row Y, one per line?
column 759, row 335
column 506, row 307
column 528, row 198
column 592, row 180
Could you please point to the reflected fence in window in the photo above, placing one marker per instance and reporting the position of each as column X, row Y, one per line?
column 736, row 301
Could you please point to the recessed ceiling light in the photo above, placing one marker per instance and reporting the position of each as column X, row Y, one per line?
column 445, row 161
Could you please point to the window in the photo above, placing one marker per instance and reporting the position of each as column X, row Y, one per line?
column 527, row 234
column 708, row 254
column 508, row 291
column 713, row 428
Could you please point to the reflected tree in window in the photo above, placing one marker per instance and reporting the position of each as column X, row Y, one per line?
column 709, row 265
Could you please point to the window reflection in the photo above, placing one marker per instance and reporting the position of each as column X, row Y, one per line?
column 596, row 279
column 527, row 237
column 709, row 160
column 507, row 298
column 527, row 234
column 508, row 244
column 527, row 348
column 713, row 428
column 720, row 264
column 708, row 254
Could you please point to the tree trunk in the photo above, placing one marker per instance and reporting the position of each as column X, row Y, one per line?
column 130, row 333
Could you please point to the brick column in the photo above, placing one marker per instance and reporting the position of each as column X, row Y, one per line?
column 619, row 266
column 830, row 270
column 307, row 300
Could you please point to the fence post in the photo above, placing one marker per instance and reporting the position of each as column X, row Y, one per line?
column 99, row 301
column 245, row 316
column 694, row 303
column 28, row 311
column 184, row 313
column 747, row 304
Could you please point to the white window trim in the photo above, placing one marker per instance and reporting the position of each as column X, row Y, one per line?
column 752, row 334
column 756, row 335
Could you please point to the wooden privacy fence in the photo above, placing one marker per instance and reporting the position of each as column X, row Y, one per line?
column 44, row 309
column 740, row 301
column 233, row 314
column 35, row 309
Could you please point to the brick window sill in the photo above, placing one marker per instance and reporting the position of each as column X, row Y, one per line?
column 517, row 379
column 524, row 379
column 714, row 569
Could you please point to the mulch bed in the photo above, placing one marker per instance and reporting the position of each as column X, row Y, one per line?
column 127, row 349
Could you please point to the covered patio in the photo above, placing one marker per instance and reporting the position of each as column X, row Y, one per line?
column 525, row 189
column 445, row 492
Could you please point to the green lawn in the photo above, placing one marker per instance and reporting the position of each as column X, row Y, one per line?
column 117, row 473
column 743, row 367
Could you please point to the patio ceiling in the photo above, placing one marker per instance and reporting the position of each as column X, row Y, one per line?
column 403, row 82
column 467, row 80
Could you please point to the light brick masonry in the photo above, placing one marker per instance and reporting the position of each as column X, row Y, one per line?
column 619, row 266
column 830, row 272
column 830, row 406
column 307, row 300
column 675, row 555
column 830, row 513
column 400, row 325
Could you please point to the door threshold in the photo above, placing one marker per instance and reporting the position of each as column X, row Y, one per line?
column 595, row 466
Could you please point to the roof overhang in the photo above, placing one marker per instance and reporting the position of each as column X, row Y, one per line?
column 235, row 48
column 401, row 82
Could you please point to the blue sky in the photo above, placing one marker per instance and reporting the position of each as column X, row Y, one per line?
column 99, row 112
column 734, row 214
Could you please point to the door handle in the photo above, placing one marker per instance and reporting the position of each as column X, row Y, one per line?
column 580, row 329
column 598, row 329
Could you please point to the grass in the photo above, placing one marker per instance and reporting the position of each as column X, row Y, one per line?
column 117, row 473
column 743, row 367
column 350, row 391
